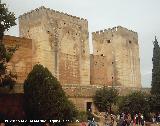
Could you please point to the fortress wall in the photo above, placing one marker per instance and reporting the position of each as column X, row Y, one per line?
column 63, row 39
column 32, row 25
column 21, row 61
column 99, row 75
column 82, row 94
column 120, row 46
column 102, row 47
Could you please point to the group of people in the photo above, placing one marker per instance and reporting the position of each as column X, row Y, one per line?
column 124, row 119
column 156, row 118
column 127, row 120
column 105, row 119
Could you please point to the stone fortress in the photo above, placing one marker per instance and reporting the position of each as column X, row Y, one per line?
column 60, row 42
column 116, row 56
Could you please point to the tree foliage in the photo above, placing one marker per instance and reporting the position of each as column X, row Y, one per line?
column 136, row 102
column 155, row 103
column 105, row 98
column 7, row 20
column 155, row 89
column 45, row 98
column 156, row 69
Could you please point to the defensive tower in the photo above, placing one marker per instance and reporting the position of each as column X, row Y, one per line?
column 115, row 59
column 60, row 42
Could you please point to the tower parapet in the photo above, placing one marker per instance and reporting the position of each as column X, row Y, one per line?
column 38, row 11
column 119, row 30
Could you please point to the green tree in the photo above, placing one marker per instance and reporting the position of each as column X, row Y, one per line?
column 7, row 20
column 155, row 103
column 104, row 98
column 155, row 89
column 45, row 98
column 136, row 102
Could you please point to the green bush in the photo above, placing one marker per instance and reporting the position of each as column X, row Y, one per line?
column 105, row 98
column 45, row 98
column 134, row 103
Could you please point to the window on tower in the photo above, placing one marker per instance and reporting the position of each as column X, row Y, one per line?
column 108, row 41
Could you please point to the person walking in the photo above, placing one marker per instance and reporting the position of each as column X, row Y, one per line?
column 139, row 119
column 136, row 119
column 128, row 119
column 142, row 120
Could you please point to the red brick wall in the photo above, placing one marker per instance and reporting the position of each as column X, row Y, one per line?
column 21, row 61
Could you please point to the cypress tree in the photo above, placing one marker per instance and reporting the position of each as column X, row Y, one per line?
column 45, row 98
column 155, row 89
column 156, row 69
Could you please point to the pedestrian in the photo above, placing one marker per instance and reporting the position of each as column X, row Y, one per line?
column 89, row 123
column 142, row 120
column 112, row 119
column 139, row 119
column 124, row 123
column 158, row 117
column 136, row 119
column 128, row 119
column 153, row 119
column 120, row 123
column 92, row 123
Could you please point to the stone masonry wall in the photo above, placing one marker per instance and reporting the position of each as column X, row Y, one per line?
column 21, row 61
column 98, row 69
column 60, row 42
column 82, row 94
column 120, row 48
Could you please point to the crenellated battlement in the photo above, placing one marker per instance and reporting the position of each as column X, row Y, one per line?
column 51, row 11
column 115, row 30
column 31, row 12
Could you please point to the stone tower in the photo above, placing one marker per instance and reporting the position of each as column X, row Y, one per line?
column 60, row 43
column 115, row 60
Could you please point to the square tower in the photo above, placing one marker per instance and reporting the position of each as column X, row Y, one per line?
column 60, row 43
column 116, row 52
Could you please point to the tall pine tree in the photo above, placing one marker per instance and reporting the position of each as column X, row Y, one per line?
column 156, row 68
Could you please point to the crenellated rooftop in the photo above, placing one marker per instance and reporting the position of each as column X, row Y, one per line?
column 118, row 29
column 42, row 8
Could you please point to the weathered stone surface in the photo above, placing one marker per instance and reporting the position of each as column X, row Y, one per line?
column 100, row 70
column 120, row 51
column 21, row 61
column 60, row 42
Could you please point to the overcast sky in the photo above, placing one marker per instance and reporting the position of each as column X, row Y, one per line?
column 141, row 16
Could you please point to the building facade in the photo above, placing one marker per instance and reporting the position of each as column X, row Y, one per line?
column 60, row 42
column 115, row 59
